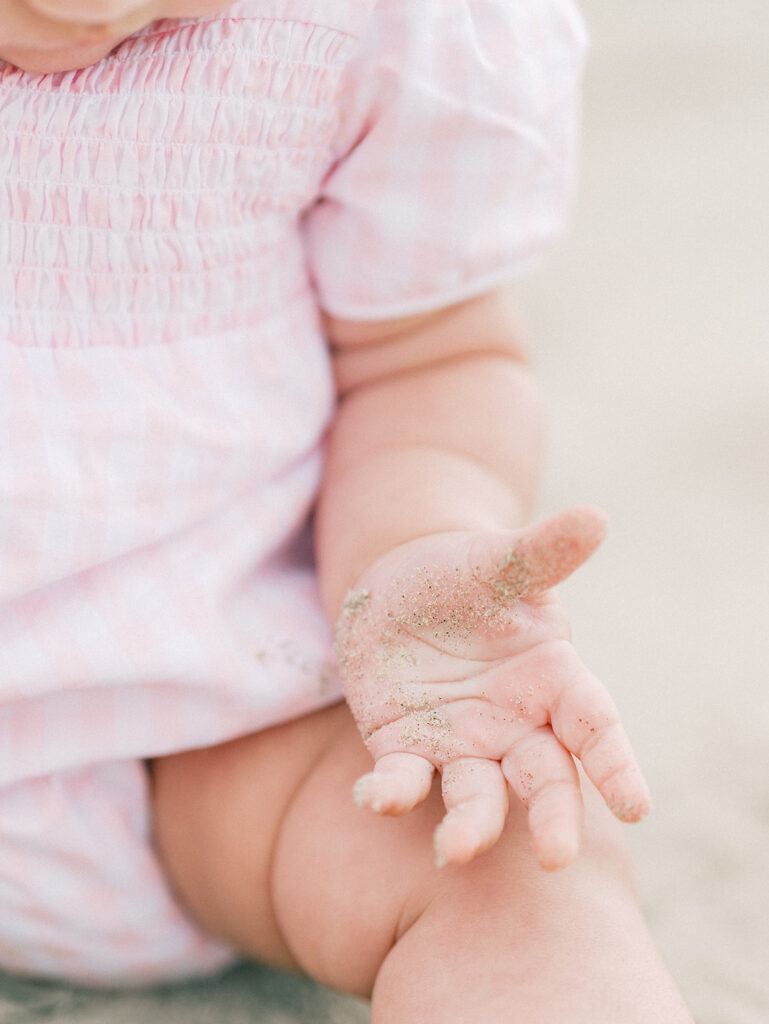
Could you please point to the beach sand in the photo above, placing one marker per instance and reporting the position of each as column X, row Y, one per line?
column 649, row 327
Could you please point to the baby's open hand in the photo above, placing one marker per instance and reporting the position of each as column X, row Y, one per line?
column 455, row 655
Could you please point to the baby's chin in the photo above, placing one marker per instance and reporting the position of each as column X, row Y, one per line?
column 67, row 58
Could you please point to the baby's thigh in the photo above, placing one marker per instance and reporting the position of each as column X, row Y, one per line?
column 217, row 814
column 266, row 849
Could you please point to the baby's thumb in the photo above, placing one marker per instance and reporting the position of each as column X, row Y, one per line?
column 545, row 554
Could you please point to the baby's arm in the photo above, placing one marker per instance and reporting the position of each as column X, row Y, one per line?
column 438, row 428
column 454, row 649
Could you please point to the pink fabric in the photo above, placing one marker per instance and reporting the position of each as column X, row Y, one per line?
column 455, row 154
column 170, row 221
column 82, row 893
column 165, row 385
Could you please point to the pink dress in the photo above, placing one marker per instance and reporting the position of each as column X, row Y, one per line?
column 171, row 220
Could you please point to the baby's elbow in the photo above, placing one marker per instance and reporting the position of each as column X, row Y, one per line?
column 368, row 352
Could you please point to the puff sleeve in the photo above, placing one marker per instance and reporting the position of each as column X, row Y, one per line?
column 454, row 156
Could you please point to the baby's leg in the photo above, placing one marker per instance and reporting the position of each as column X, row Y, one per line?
column 264, row 845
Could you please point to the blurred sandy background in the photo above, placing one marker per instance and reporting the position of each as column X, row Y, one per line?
column 653, row 337
column 651, row 330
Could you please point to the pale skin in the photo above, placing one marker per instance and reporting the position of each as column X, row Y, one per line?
column 455, row 656
column 45, row 36
column 506, row 893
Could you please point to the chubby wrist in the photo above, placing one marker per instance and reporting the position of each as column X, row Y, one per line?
column 438, row 429
column 398, row 496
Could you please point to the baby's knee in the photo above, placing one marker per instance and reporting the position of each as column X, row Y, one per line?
column 507, row 884
column 604, row 847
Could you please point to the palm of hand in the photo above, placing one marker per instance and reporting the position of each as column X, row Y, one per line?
column 455, row 656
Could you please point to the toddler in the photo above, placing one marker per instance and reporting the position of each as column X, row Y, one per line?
column 253, row 265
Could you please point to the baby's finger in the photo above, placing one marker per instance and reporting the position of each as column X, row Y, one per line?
column 475, row 795
column 546, row 553
column 397, row 784
column 544, row 777
column 587, row 723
